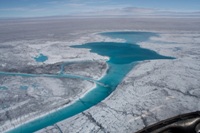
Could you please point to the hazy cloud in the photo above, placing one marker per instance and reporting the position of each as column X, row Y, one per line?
column 124, row 11
column 85, row 8
column 14, row 9
column 136, row 11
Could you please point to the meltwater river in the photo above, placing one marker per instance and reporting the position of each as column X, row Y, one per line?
column 123, row 57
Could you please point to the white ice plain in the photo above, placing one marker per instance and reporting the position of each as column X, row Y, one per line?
column 152, row 91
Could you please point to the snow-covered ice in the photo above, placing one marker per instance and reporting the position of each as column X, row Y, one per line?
column 152, row 91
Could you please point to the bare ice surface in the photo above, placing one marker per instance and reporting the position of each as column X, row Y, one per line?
column 152, row 91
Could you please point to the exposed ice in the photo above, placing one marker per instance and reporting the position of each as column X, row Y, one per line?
column 152, row 91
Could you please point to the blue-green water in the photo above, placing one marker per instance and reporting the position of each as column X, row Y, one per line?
column 131, row 37
column 41, row 58
column 123, row 56
column 23, row 87
column 3, row 88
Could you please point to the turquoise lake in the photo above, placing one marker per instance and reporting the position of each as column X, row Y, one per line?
column 41, row 58
column 123, row 57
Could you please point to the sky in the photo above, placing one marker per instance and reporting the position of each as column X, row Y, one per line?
column 40, row 8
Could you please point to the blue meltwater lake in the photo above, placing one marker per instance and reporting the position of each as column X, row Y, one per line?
column 41, row 58
column 123, row 57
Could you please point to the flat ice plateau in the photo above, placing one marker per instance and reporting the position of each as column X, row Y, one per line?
column 152, row 91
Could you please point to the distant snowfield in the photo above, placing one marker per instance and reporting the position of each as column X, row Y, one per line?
column 152, row 91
